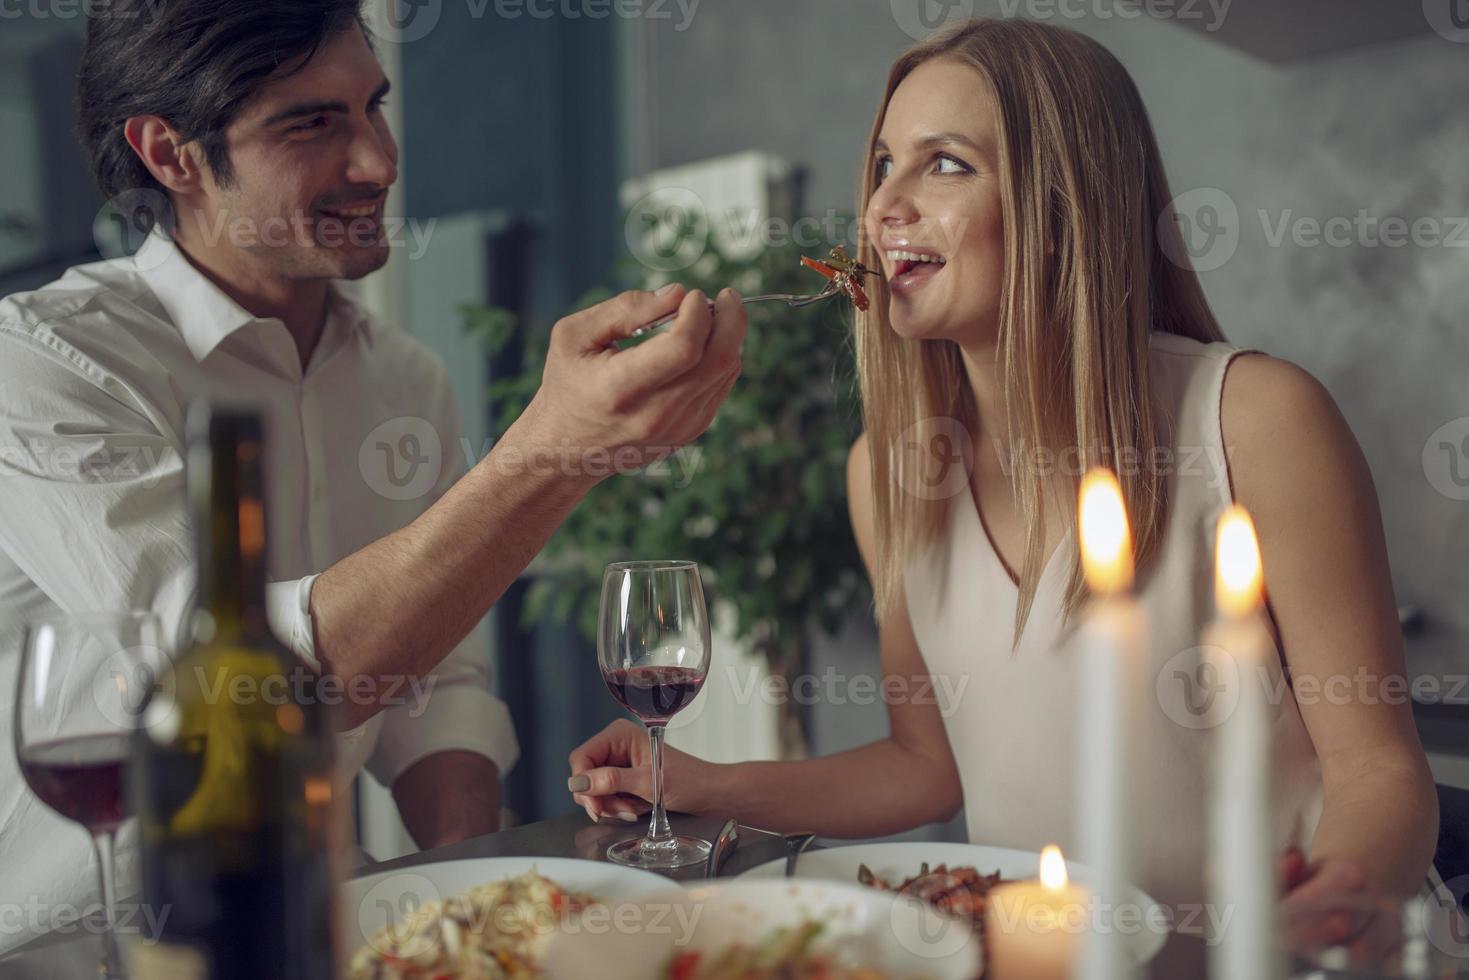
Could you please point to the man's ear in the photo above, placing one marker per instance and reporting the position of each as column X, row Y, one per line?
column 172, row 162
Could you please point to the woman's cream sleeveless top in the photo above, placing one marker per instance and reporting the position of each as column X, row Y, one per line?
column 1010, row 718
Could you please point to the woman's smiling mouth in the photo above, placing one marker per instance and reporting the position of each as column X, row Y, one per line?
column 913, row 269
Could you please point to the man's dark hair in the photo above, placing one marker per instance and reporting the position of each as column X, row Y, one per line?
column 194, row 63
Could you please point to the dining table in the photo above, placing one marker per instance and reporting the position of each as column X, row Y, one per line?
column 572, row 835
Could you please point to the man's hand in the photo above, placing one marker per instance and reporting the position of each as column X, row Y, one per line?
column 617, row 410
column 449, row 797
column 640, row 404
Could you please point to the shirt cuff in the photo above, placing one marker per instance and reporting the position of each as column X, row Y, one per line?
column 462, row 717
column 288, row 606
column 352, row 749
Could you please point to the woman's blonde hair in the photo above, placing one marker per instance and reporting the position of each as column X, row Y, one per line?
column 1087, row 276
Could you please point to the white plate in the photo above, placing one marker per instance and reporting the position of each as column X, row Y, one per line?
column 370, row 903
column 636, row 940
column 898, row 860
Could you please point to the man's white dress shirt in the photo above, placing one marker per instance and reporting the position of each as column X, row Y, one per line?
column 96, row 373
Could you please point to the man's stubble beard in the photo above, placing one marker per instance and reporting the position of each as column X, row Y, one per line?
column 316, row 262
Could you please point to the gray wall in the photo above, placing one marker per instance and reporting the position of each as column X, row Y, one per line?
column 1380, row 129
column 519, row 114
column 48, row 199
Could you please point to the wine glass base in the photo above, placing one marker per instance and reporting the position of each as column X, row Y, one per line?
column 676, row 852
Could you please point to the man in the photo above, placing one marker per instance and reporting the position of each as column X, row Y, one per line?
column 260, row 122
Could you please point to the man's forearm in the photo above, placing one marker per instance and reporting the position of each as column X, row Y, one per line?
column 449, row 797
column 396, row 608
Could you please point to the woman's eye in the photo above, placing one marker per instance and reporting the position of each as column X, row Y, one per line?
column 949, row 165
column 884, row 167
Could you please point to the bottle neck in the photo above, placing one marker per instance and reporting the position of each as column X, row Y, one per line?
column 230, row 522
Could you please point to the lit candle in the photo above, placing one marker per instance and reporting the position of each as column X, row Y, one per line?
column 1033, row 929
column 1242, row 877
column 1111, row 642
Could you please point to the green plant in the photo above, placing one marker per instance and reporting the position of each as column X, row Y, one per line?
column 765, row 512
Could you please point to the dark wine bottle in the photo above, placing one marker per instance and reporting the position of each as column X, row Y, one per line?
column 232, row 782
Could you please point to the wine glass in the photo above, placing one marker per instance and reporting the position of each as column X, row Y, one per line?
column 653, row 648
column 83, row 681
column 1363, row 934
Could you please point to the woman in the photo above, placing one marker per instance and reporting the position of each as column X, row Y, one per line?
column 1029, row 310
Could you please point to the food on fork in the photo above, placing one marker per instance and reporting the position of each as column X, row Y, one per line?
column 845, row 274
column 495, row 931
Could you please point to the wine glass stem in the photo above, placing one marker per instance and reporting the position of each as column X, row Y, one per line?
column 658, row 830
column 102, row 844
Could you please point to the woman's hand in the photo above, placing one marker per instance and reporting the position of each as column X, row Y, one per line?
column 1328, row 904
column 1309, row 884
column 612, row 773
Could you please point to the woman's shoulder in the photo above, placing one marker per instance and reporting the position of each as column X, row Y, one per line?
column 1264, row 414
column 1293, row 460
column 1274, row 415
column 1249, row 382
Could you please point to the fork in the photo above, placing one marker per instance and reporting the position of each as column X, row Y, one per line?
column 796, row 845
column 724, row 845
column 794, row 300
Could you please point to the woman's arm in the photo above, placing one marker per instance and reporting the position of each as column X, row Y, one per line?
column 1298, row 470
column 893, row 784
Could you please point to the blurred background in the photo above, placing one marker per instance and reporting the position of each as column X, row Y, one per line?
column 552, row 147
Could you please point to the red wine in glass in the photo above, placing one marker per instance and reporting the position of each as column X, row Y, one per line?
column 80, row 777
column 82, row 680
column 653, row 647
column 655, row 694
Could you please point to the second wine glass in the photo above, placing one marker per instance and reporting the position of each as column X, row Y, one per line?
column 653, row 647
column 83, row 681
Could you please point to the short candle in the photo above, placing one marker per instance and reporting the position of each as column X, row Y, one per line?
column 1033, row 929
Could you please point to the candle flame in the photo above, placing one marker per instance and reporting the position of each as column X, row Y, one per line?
column 1238, row 577
column 1106, row 539
column 1053, row 869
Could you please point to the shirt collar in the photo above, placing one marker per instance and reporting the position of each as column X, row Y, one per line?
column 342, row 308
column 205, row 314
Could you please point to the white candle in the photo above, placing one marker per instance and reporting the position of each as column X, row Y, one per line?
column 1111, row 644
column 1033, row 929
column 1242, row 850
